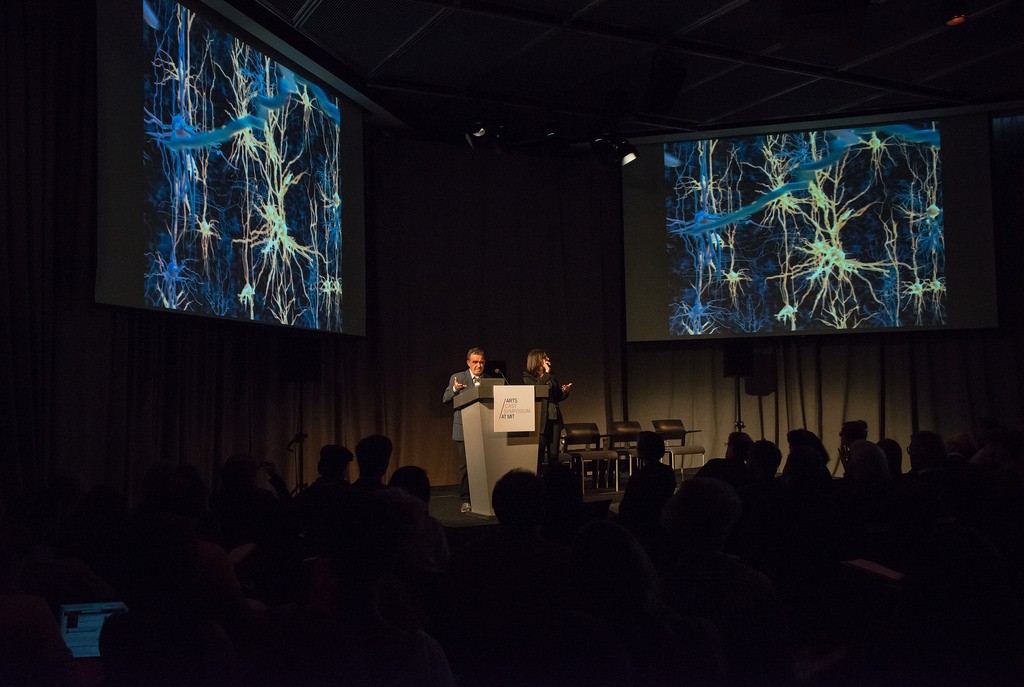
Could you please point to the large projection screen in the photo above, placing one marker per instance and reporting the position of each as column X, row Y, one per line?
column 231, row 178
column 845, row 227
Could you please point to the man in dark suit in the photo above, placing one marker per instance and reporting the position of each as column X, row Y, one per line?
column 471, row 376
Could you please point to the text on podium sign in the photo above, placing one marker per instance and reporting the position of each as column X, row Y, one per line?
column 514, row 409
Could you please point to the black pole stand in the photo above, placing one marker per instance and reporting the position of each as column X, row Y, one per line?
column 739, row 413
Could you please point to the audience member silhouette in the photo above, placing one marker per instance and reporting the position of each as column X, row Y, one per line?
column 704, row 582
column 166, row 637
column 958, row 622
column 255, row 531
column 866, row 463
column 341, row 635
column 32, row 650
column 1002, row 450
column 185, row 494
column 44, row 570
column 373, row 453
column 791, row 533
column 508, row 594
column 647, row 492
column 893, row 456
column 625, row 632
column 960, row 448
column 245, row 513
column 863, row 502
column 564, row 510
column 927, row 452
column 920, row 503
column 423, row 554
column 413, row 480
column 733, row 468
column 332, row 470
column 804, row 471
column 333, row 464
column 763, row 463
column 94, row 532
column 849, row 432
column 805, row 437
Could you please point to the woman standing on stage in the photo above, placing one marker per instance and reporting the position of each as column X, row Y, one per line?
column 538, row 371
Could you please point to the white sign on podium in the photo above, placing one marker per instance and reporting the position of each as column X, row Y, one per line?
column 513, row 409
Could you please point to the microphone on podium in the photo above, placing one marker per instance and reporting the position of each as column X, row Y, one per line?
column 498, row 370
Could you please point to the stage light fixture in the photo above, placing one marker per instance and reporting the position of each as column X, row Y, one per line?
column 476, row 131
column 613, row 149
column 954, row 12
column 628, row 152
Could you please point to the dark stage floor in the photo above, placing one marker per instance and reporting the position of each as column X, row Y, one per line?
column 445, row 505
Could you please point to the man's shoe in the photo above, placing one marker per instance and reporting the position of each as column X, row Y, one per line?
column 466, row 507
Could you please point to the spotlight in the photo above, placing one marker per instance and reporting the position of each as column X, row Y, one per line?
column 613, row 149
column 628, row 151
column 954, row 12
column 475, row 131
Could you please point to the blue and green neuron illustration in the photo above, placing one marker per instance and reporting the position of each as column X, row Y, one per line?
column 793, row 232
column 241, row 164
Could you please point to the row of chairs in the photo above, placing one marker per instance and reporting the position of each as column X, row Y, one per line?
column 601, row 454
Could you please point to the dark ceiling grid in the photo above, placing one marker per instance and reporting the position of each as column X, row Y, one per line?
column 458, row 51
column 438, row 63
column 839, row 38
column 964, row 77
column 949, row 51
column 305, row 11
column 557, row 8
column 287, row 8
column 363, row 33
column 724, row 100
column 746, row 26
column 830, row 98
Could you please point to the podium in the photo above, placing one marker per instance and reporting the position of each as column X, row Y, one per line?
column 489, row 454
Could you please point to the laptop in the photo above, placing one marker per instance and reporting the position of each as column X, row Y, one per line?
column 80, row 625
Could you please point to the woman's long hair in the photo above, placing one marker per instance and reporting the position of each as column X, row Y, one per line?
column 535, row 362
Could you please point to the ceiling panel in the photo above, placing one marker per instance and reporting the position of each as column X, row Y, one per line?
column 965, row 80
column 719, row 101
column 363, row 33
column 843, row 37
column 953, row 49
column 438, row 63
column 556, row 67
column 830, row 98
column 558, row 8
column 664, row 18
column 459, row 50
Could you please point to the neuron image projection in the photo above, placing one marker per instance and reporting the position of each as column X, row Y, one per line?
column 807, row 231
column 243, row 191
